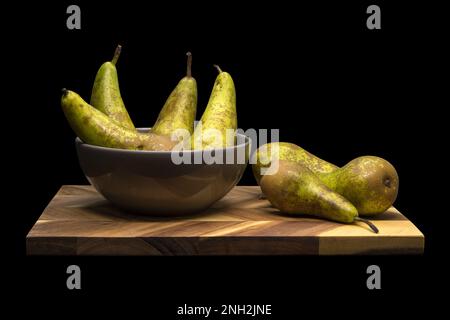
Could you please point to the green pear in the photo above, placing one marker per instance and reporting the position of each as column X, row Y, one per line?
column 106, row 93
column 218, row 124
column 94, row 127
column 370, row 183
column 295, row 189
column 288, row 151
column 180, row 108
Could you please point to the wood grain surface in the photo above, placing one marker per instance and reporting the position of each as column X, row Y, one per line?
column 79, row 221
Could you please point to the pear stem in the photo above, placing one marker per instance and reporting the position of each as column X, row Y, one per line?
column 218, row 68
column 116, row 54
column 189, row 65
column 370, row 224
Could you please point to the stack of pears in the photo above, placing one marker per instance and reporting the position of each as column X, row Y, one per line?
column 105, row 121
column 305, row 184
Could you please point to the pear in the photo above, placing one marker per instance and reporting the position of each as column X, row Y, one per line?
column 106, row 93
column 295, row 189
column 370, row 183
column 94, row 127
column 288, row 151
column 218, row 124
column 180, row 108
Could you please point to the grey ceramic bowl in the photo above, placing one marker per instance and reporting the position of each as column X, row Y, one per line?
column 149, row 182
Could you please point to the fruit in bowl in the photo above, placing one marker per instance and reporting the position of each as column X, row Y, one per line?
column 156, row 171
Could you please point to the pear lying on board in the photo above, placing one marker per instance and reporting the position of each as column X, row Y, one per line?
column 94, row 127
column 295, row 189
column 106, row 93
column 180, row 108
column 219, row 120
column 291, row 152
column 369, row 183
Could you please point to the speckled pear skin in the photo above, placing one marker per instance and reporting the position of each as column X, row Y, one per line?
column 106, row 95
column 94, row 127
column 370, row 183
column 291, row 152
column 219, row 115
column 295, row 189
column 180, row 108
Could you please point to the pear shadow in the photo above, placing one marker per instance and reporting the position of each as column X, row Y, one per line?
column 327, row 224
column 390, row 214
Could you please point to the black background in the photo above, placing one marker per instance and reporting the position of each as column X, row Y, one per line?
column 312, row 70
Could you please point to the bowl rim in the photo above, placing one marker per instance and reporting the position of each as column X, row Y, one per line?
column 80, row 142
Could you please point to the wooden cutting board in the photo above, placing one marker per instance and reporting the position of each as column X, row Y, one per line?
column 79, row 221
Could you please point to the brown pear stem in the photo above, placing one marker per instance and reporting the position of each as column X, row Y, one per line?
column 218, row 68
column 370, row 224
column 189, row 65
column 116, row 54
